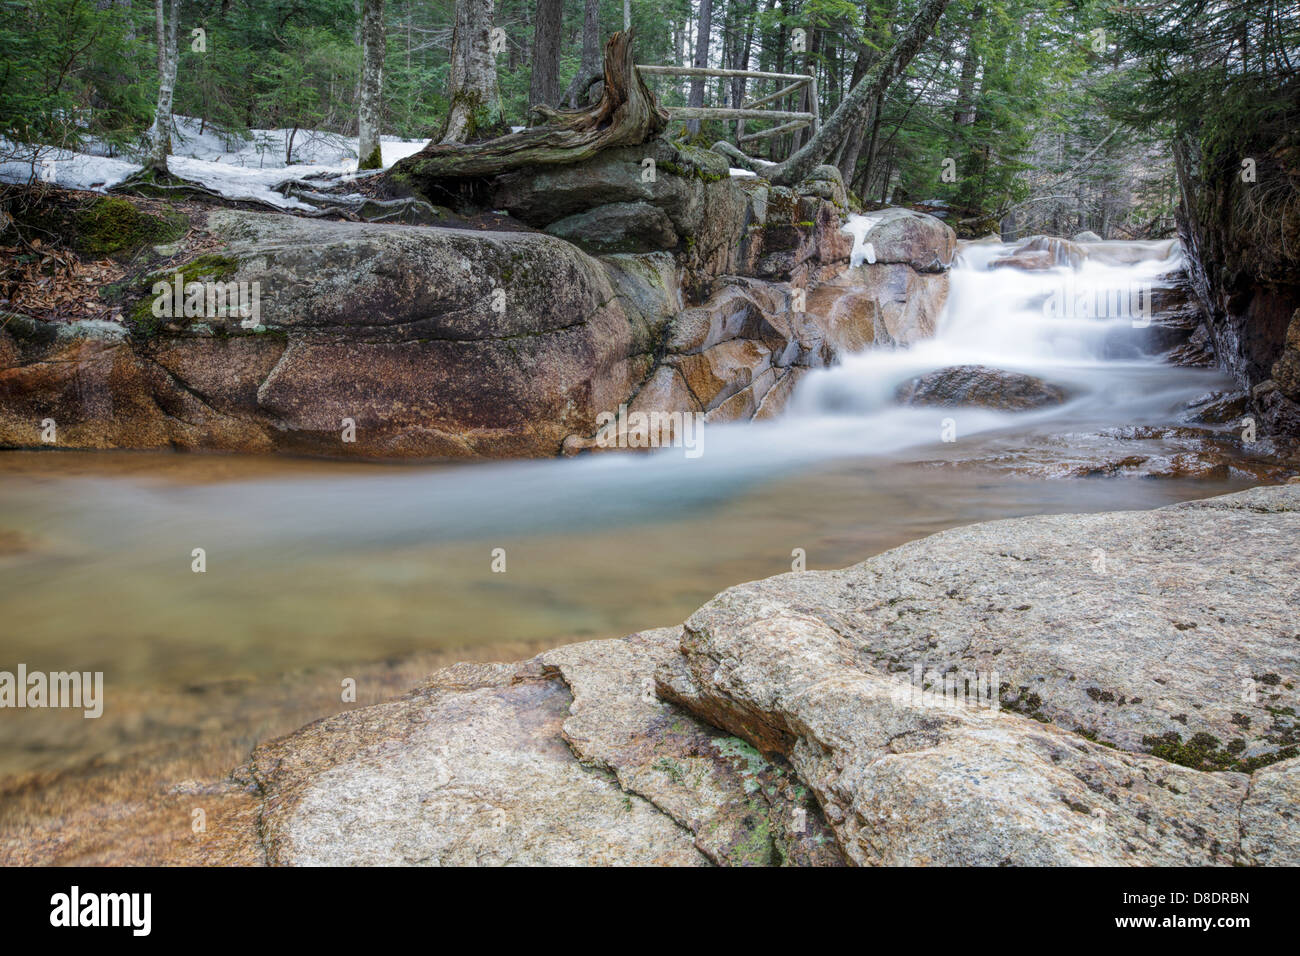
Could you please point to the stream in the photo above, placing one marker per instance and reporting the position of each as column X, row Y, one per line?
column 327, row 567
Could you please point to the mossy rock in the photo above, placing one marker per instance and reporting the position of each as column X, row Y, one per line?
column 112, row 225
column 212, row 267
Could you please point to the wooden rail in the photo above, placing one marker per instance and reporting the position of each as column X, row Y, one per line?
column 749, row 109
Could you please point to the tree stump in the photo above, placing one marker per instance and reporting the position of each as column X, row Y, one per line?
column 627, row 114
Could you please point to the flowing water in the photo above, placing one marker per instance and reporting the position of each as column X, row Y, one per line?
column 332, row 566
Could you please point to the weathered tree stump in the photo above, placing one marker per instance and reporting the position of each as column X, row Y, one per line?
column 627, row 114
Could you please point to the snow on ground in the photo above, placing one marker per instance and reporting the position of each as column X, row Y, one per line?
column 75, row 170
column 740, row 173
column 235, row 167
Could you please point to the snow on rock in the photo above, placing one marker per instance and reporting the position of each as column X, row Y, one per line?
column 858, row 226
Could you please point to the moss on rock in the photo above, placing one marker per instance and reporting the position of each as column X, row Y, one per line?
column 112, row 225
column 212, row 267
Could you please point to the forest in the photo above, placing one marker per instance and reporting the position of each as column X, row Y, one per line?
column 1016, row 115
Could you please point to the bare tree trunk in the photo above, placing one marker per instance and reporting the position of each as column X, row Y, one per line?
column 853, row 108
column 627, row 15
column 805, row 103
column 589, row 69
column 964, row 114
column 369, row 153
column 701, row 60
column 746, row 51
column 852, row 148
column 130, row 20
column 871, row 143
column 475, row 108
column 544, row 87
column 160, row 139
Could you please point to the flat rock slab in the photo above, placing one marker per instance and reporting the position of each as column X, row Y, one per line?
column 568, row 759
column 469, row 770
column 1145, row 664
column 1110, row 689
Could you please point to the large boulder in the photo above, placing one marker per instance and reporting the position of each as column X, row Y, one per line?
column 1143, row 683
column 922, row 242
column 617, row 227
column 429, row 341
column 706, row 209
column 885, row 304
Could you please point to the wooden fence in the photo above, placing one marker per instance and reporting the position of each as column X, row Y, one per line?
column 749, row 109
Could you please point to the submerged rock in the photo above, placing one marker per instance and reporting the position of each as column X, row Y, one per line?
column 982, row 386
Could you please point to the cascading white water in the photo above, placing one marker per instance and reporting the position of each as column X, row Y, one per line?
column 1086, row 327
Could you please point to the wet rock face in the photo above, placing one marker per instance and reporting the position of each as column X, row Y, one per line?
column 1218, row 408
column 981, row 386
column 1247, row 278
column 1177, row 330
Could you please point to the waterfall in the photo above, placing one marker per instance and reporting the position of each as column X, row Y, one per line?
column 1086, row 324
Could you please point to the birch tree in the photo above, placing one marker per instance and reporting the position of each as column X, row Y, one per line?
column 475, row 103
column 373, row 45
column 160, row 140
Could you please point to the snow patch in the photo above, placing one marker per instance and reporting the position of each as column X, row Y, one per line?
column 859, row 226
column 235, row 167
